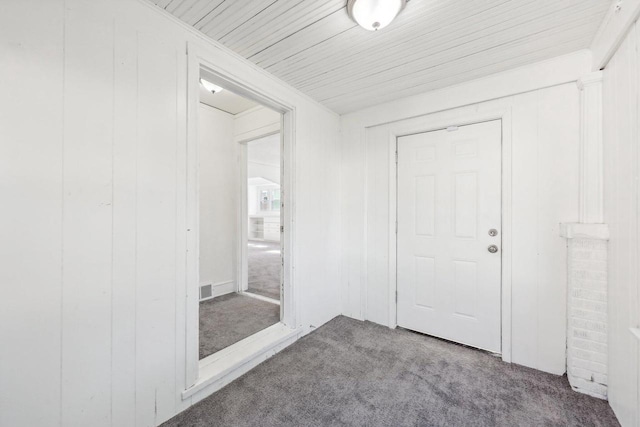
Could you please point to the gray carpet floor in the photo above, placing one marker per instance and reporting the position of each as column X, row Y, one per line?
column 227, row 319
column 264, row 268
column 361, row 374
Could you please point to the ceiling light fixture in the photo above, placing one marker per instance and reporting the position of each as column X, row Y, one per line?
column 374, row 15
column 210, row 86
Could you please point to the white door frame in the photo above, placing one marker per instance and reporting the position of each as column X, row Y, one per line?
column 438, row 121
column 243, row 264
column 198, row 60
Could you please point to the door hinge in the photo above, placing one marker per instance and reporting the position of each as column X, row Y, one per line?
column 396, row 157
column 282, row 228
column 396, row 296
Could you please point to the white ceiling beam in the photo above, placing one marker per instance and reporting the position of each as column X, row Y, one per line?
column 620, row 17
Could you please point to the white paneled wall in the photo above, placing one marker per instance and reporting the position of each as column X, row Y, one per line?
column 622, row 214
column 543, row 127
column 219, row 181
column 93, row 179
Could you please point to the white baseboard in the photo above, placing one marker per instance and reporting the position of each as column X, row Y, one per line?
column 261, row 297
column 220, row 288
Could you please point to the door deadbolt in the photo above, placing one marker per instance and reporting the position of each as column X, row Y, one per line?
column 493, row 232
column 493, row 249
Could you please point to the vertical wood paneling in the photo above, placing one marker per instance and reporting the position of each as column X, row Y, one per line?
column 87, row 214
column 353, row 232
column 316, row 276
column 377, row 221
column 621, row 97
column 31, row 213
column 94, row 97
column 525, row 198
column 156, row 225
column 125, row 98
column 558, row 154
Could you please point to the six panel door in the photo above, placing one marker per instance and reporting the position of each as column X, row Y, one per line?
column 449, row 234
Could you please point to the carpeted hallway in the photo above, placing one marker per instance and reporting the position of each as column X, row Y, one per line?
column 264, row 268
column 227, row 319
column 353, row 373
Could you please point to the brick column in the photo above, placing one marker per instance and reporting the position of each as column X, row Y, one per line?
column 587, row 308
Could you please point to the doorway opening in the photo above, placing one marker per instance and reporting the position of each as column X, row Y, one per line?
column 239, row 203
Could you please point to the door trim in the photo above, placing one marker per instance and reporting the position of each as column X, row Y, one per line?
column 439, row 121
column 198, row 59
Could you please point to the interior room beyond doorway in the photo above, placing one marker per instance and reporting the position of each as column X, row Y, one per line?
column 263, row 208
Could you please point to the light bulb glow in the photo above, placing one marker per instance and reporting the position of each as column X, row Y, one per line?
column 210, row 86
column 374, row 15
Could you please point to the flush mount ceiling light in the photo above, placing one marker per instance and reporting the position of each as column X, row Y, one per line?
column 210, row 86
column 374, row 15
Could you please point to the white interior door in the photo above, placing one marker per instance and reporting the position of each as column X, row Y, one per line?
column 449, row 200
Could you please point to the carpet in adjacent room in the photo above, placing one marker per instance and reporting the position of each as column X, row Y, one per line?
column 264, row 265
column 227, row 319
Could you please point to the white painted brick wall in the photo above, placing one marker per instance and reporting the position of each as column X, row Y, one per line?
column 587, row 311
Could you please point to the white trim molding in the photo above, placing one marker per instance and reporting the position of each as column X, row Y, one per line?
column 591, row 149
column 584, row 231
column 615, row 26
column 222, row 370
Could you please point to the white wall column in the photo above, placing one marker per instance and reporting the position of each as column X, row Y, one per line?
column 591, row 149
column 587, row 254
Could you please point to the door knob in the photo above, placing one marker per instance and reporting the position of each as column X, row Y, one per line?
column 493, row 232
column 493, row 249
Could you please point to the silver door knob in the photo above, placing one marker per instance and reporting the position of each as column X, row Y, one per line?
column 493, row 232
column 493, row 249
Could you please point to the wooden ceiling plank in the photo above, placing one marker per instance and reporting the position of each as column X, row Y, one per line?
column 177, row 7
column 471, row 61
column 532, row 21
column 199, row 9
column 361, row 39
column 210, row 14
column 255, row 22
column 442, row 54
column 349, row 104
column 314, row 46
column 505, row 50
column 358, row 36
column 424, row 45
column 400, row 44
column 235, row 16
column 289, row 23
column 309, row 36
column 162, row 3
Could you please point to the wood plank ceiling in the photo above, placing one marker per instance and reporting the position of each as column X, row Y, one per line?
column 314, row 45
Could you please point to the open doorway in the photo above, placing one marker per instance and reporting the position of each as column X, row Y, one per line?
column 239, row 177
